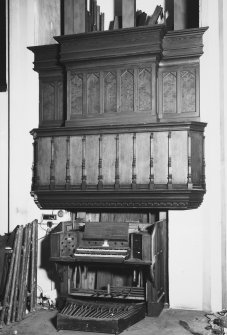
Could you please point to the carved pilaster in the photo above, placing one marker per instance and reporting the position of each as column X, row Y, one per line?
column 84, row 177
column 52, row 166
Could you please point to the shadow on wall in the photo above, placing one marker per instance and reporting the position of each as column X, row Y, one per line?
column 50, row 267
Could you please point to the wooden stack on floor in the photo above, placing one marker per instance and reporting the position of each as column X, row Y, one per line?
column 21, row 284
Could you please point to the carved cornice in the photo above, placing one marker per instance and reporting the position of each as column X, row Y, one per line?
column 186, row 43
column 110, row 129
column 111, row 44
column 85, row 200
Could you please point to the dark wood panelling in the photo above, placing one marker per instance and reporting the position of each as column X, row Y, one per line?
column 76, row 94
column 108, row 159
column 169, row 96
column 161, row 158
column 60, row 159
column 179, row 92
column 92, row 159
column 197, row 157
column 143, row 158
column 110, row 92
column 144, row 165
column 145, row 89
column 43, row 160
column 93, row 93
column 76, row 159
column 179, row 157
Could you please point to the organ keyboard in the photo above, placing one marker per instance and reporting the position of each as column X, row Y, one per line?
column 101, row 252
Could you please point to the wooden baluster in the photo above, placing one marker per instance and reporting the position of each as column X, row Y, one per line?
column 68, row 178
column 35, row 178
column 151, row 185
column 170, row 185
column 117, row 175
column 203, row 165
column 134, row 162
column 52, row 167
column 84, row 177
column 189, row 161
column 100, row 177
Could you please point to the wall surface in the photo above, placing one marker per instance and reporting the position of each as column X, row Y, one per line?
column 197, row 238
column 4, row 162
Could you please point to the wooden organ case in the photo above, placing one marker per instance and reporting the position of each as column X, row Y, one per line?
column 119, row 135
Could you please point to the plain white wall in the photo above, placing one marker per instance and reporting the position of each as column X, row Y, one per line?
column 4, row 162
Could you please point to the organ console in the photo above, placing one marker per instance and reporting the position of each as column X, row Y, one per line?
column 110, row 273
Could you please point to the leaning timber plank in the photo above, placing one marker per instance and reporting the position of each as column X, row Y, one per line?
column 17, row 259
column 9, row 281
column 22, row 278
column 26, row 271
column 35, row 265
column 33, row 279
column 18, row 275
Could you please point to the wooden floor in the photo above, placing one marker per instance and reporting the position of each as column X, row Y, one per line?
column 170, row 322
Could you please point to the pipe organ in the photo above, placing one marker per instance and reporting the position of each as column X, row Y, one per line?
column 119, row 132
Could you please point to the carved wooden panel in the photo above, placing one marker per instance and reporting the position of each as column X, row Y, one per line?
column 43, row 160
column 108, row 159
column 48, row 100
column 110, row 92
column 125, row 158
column 143, row 157
column 93, row 93
column 169, row 92
column 92, row 159
column 60, row 158
column 188, row 91
column 127, row 91
column 76, row 159
column 197, row 157
column 76, row 84
column 145, row 89
column 179, row 157
column 160, row 157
